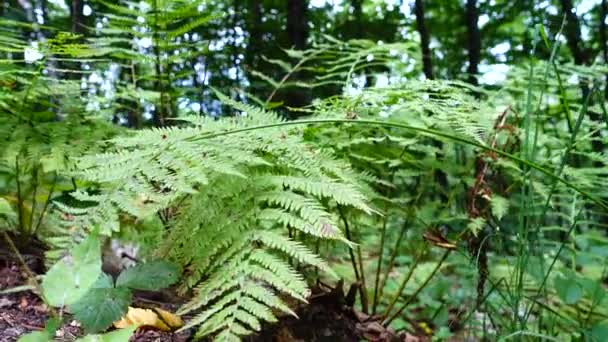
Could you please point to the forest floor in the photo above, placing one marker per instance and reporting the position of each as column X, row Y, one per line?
column 324, row 318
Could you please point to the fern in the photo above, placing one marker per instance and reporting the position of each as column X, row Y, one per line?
column 229, row 201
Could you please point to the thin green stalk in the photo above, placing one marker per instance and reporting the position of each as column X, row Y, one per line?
column 604, row 111
column 418, row 290
column 523, row 220
column 404, row 282
column 364, row 299
column 552, row 57
column 493, row 287
column 521, row 333
column 548, row 272
column 594, row 299
column 569, row 147
column 560, row 84
column 19, row 196
column 34, row 192
column 351, row 253
column 382, row 241
column 391, row 261
column 46, row 204
column 288, row 75
column 379, row 265
column 426, row 131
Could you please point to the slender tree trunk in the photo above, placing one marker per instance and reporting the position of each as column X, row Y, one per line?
column 575, row 41
column 603, row 43
column 235, row 48
column 297, row 31
column 297, row 23
column 254, row 23
column 161, row 112
column 573, row 34
column 77, row 17
column 358, row 15
column 474, row 40
column 427, row 66
column 427, row 62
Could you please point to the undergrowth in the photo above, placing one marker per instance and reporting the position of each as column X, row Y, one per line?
column 455, row 209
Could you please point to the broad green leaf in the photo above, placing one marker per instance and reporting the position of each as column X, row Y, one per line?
column 121, row 335
column 42, row 336
column 598, row 332
column 151, row 275
column 593, row 289
column 70, row 278
column 101, row 305
column 37, row 336
column 568, row 289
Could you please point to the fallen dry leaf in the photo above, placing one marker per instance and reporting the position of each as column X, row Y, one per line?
column 172, row 320
column 157, row 318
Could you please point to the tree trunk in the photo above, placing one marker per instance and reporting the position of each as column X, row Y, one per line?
column 254, row 23
column 474, row 43
column 603, row 43
column 427, row 62
column 297, row 31
column 253, row 50
column 358, row 16
column 573, row 34
column 235, row 47
column 77, row 17
column 297, row 23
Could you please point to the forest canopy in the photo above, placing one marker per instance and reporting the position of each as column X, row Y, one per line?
column 382, row 170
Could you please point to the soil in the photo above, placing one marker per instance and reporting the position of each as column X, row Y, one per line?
column 328, row 317
column 24, row 312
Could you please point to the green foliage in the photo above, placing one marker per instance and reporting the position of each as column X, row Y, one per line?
column 37, row 336
column 69, row 279
column 121, row 335
column 152, row 275
column 76, row 281
column 101, row 305
column 106, row 302
column 488, row 201
column 42, row 336
column 267, row 187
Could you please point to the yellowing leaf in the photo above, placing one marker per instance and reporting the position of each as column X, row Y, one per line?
column 157, row 318
column 171, row 319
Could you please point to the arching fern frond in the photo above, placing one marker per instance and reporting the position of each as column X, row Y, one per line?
column 228, row 203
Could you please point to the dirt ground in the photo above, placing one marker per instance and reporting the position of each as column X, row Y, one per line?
column 327, row 317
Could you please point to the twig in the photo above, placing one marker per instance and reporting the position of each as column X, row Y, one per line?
column 31, row 276
column 14, row 249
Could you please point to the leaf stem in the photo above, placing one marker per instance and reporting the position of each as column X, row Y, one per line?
column 425, row 131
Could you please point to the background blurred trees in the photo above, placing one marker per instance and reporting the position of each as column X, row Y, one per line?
column 470, row 40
